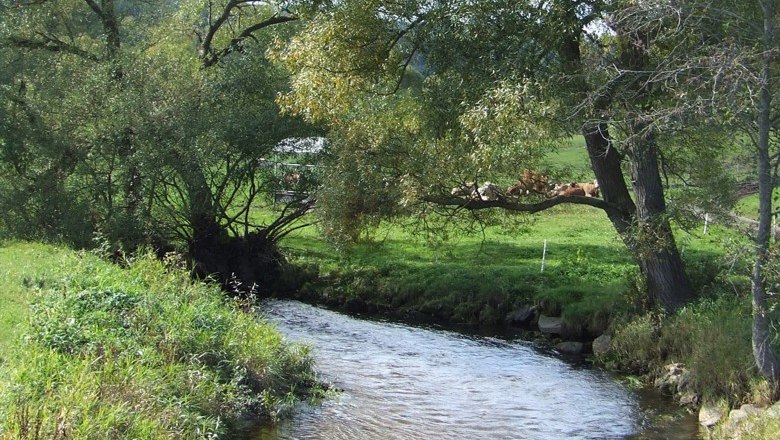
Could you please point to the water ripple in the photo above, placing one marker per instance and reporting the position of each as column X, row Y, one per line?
column 403, row 383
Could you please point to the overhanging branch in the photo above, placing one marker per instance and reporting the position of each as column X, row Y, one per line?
column 212, row 57
column 509, row 205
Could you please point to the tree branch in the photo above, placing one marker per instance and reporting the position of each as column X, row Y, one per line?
column 51, row 44
column 474, row 204
column 210, row 58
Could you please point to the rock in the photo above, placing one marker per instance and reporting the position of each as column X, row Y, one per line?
column 737, row 417
column 710, row 415
column 669, row 381
column 688, row 398
column 570, row 347
column 551, row 325
column 683, row 381
column 522, row 316
column 774, row 410
column 602, row 345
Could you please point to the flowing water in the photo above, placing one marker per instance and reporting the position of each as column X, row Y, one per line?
column 402, row 382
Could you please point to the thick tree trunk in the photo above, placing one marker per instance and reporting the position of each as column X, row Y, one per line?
column 766, row 359
column 654, row 250
column 606, row 163
column 657, row 248
column 243, row 264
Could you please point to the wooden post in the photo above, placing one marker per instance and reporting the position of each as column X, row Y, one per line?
column 544, row 254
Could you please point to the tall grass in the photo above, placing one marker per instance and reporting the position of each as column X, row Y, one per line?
column 142, row 352
column 712, row 338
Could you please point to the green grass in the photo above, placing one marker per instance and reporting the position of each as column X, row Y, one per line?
column 589, row 277
column 571, row 158
column 141, row 352
column 23, row 266
column 748, row 206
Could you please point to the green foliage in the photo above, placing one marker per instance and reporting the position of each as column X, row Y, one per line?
column 635, row 343
column 143, row 352
column 130, row 138
column 586, row 305
column 713, row 338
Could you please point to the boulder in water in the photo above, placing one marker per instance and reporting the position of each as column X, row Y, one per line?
column 522, row 316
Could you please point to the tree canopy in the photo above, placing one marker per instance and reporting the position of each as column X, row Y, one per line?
column 140, row 124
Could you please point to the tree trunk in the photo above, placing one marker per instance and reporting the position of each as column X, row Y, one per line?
column 766, row 359
column 659, row 261
column 242, row 264
column 654, row 250
column 657, row 248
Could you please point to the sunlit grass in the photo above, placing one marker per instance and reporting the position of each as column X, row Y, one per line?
column 136, row 352
column 24, row 266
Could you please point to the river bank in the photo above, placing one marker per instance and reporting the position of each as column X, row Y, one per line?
column 91, row 350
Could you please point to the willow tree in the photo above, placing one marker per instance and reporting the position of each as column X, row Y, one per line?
column 503, row 82
column 144, row 124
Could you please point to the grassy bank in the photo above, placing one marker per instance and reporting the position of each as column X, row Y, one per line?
column 141, row 352
column 588, row 276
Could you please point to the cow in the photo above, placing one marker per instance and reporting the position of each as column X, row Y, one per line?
column 576, row 189
column 591, row 189
column 531, row 182
column 490, row 192
column 465, row 190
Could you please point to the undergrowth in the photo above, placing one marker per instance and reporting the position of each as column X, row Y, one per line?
column 711, row 338
column 143, row 352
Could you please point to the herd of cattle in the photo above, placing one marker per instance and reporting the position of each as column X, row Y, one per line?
column 531, row 182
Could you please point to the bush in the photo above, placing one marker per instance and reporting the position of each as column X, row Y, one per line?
column 144, row 353
column 587, row 307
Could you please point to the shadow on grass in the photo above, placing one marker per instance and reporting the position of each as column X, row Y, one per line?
column 488, row 253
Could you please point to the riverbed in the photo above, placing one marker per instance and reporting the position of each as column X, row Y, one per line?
column 404, row 382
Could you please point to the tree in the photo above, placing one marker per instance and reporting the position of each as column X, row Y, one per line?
column 720, row 73
column 145, row 125
column 503, row 81
column 766, row 359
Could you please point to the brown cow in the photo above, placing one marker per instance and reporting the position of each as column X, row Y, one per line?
column 591, row 189
column 576, row 189
column 531, row 182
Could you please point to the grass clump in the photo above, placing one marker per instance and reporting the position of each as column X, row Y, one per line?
column 635, row 344
column 713, row 338
column 143, row 352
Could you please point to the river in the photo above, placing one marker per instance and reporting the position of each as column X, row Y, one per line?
column 404, row 382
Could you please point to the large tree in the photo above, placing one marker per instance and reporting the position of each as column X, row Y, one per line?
column 502, row 82
column 144, row 124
